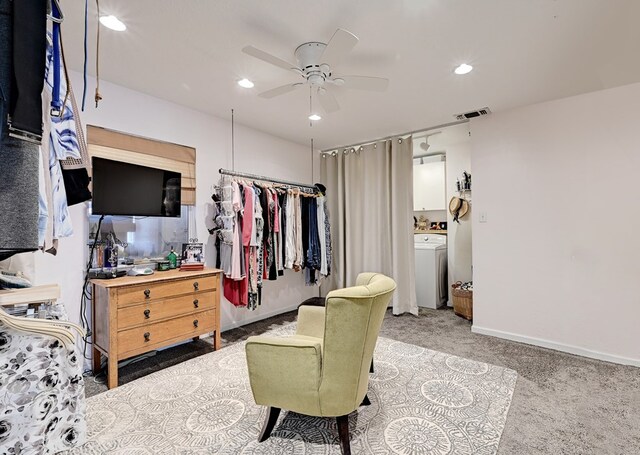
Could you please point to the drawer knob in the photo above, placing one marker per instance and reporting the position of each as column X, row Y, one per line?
column 147, row 293
column 147, row 313
column 196, row 303
column 195, row 323
column 195, row 285
column 147, row 336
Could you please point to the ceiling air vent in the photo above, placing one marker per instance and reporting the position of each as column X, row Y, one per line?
column 472, row 114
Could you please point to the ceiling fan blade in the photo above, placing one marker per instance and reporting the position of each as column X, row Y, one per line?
column 375, row 84
column 266, row 57
column 328, row 102
column 279, row 90
column 340, row 45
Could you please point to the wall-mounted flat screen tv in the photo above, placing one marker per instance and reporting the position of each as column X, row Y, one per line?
column 129, row 189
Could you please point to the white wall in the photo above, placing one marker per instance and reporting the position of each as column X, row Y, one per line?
column 557, row 262
column 256, row 152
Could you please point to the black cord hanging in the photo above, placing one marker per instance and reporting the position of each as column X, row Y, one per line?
column 312, row 174
column 233, row 145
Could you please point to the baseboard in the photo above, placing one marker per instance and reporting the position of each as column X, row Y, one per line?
column 556, row 346
column 236, row 324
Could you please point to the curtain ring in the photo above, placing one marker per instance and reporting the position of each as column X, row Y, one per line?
column 400, row 141
column 375, row 146
column 334, row 153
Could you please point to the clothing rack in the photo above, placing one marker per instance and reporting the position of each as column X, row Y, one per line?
column 267, row 179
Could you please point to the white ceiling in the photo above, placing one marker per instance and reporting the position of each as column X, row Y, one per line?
column 523, row 51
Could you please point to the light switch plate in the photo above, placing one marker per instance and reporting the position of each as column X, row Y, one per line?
column 483, row 217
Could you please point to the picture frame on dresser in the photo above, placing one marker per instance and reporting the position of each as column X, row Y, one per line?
column 192, row 253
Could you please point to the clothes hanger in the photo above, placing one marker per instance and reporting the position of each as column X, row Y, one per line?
column 51, row 17
column 61, row 330
column 65, row 336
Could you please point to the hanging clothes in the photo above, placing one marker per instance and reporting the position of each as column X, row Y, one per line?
column 248, row 220
column 227, row 219
column 273, row 234
column 19, row 160
column 28, row 41
column 236, row 272
column 216, row 226
column 76, row 171
column 312, row 244
column 255, row 252
column 260, row 227
column 281, row 232
column 261, row 231
column 290, row 247
column 234, row 289
column 60, row 142
column 320, row 201
column 327, row 232
column 298, row 259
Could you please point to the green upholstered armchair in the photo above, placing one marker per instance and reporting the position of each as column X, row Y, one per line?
column 322, row 370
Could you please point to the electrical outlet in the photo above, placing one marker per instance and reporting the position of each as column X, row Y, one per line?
column 483, row 217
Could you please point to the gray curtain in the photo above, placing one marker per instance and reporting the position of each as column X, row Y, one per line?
column 370, row 202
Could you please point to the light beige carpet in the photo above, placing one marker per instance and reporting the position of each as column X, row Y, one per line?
column 423, row 402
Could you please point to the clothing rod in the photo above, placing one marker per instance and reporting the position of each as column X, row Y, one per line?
column 444, row 125
column 263, row 178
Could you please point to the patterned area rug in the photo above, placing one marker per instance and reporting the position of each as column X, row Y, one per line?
column 422, row 402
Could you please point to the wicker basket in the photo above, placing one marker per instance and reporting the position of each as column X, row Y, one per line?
column 462, row 301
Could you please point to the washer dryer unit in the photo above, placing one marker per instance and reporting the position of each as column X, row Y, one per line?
column 431, row 270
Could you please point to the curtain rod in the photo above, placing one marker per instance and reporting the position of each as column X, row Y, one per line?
column 264, row 179
column 444, row 125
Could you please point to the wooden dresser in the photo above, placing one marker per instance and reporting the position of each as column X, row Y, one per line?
column 134, row 315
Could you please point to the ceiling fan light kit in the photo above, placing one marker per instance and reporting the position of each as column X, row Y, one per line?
column 315, row 64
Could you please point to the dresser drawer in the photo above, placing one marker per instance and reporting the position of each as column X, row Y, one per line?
column 155, row 311
column 181, row 328
column 160, row 290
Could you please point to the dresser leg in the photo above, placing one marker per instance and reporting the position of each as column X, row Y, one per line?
column 112, row 372
column 216, row 340
column 96, row 361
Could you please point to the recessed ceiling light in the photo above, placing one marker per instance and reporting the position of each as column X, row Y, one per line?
column 246, row 83
column 463, row 69
column 315, row 117
column 113, row 23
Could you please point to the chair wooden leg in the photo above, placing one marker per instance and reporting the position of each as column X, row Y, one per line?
column 371, row 367
column 269, row 423
column 366, row 401
column 343, row 434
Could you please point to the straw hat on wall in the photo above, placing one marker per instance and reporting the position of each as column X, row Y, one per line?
column 458, row 208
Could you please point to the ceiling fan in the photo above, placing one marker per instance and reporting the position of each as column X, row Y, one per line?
column 315, row 64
